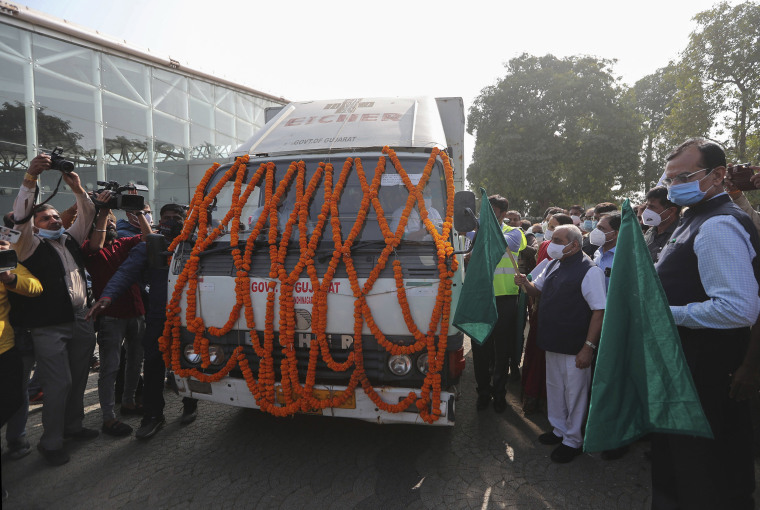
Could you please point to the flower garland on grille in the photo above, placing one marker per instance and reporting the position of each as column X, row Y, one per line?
column 296, row 395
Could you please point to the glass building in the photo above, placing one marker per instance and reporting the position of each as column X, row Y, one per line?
column 119, row 113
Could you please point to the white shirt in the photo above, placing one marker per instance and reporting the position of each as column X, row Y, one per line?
column 414, row 223
column 593, row 286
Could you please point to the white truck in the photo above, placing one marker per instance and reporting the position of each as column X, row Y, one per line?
column 296, row 306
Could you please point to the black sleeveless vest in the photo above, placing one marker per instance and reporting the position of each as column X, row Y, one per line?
column 564, row 315
column 53, row 306
column 678, row 266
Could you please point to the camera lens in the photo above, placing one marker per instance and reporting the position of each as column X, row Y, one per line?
column 66, row 166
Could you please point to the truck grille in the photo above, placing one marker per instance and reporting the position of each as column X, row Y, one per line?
column 375, row 360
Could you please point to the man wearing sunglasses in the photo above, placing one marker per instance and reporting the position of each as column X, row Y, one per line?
column 710, row 271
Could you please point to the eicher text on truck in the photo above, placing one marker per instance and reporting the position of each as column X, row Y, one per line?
column 317, row 273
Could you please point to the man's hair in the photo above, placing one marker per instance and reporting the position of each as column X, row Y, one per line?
column 172, row 207
column 605, row 207
column 711, row 153
column 660, row 193
column 563, row 219
column 8, row 220
column 41, row 207
column 525, row 225
column 573, row 233
column 576, row 208
column 514, row 212
column 499, row 203
column 551, row 211
column 614, row 220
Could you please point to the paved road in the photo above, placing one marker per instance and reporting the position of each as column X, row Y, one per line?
column 241, row 458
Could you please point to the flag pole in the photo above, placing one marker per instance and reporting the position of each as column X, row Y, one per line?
column 514, row 263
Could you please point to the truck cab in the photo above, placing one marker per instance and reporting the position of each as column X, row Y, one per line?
column 319, row 270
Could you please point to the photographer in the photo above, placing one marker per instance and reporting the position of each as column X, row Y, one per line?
column 63, row 339
column 104, row 253
column 739, row 199
column 136, row 269
column 132, row 225
column 20, row 281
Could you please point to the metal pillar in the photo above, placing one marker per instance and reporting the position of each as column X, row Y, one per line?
column 97, row 102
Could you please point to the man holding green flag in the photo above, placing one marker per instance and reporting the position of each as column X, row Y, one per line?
column 570, row 316
column 710, row 272
column 490, row 321
column 641, row 383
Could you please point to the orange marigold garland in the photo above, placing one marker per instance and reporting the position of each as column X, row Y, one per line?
column 298, row 397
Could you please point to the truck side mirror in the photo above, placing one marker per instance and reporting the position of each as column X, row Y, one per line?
column 464, row 211
column 156, row 246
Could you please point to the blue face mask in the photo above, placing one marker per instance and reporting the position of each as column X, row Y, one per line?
column 51, row 234
column 688, row 193
column 588, row 225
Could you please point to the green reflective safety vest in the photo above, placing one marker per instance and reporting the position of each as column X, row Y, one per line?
column 504, row 275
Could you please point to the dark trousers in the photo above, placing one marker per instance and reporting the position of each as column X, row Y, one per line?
column 698, row 473
column 11, row 380
column 154, row 373
column 497, row 350
column 154, row 370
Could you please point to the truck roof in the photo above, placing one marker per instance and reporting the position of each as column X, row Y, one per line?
column 351, row 124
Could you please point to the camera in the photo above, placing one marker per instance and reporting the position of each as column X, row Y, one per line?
column 8, row 260
column 58, row 162
column 740, row 176
column 120, row 201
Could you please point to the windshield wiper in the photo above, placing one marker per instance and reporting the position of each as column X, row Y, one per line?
column 228, row 248
column 327, row 254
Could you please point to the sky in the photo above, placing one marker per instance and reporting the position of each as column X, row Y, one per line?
column 336, row 49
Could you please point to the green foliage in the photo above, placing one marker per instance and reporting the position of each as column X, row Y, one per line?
column 52, row 131
column 555, row 131
column 653, row 96
column 675, row 106
column 725, row 51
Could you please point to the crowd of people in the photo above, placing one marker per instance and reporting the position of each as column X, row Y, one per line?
column 82, row 279
column 703, row 238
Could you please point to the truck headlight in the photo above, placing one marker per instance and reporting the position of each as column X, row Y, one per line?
column 422, row 363
column 190, row 355
column 216, row 353
column 400, row 364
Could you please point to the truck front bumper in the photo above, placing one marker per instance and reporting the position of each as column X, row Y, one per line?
column 234, row 391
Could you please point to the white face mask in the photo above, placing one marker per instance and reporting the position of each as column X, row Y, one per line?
column 556, row 251
column 597, row 237
column 149, row 217
column 651, row 218
column 548, row 235
column 576, row 219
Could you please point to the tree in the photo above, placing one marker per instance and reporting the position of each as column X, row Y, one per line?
column 653, row 95
column 555, row 131
column 725, row 51
column 674, row 106
column 52, row 132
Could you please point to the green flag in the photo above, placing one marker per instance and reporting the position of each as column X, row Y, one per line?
column 642, row 383
column 476, row 312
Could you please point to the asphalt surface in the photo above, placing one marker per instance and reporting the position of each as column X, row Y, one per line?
column 241, row 458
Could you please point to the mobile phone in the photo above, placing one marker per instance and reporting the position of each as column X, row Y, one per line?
column 9, row 234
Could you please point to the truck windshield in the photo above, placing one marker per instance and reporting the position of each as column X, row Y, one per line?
column 392, row 195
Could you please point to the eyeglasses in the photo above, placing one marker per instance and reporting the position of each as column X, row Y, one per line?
column 683, row 178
